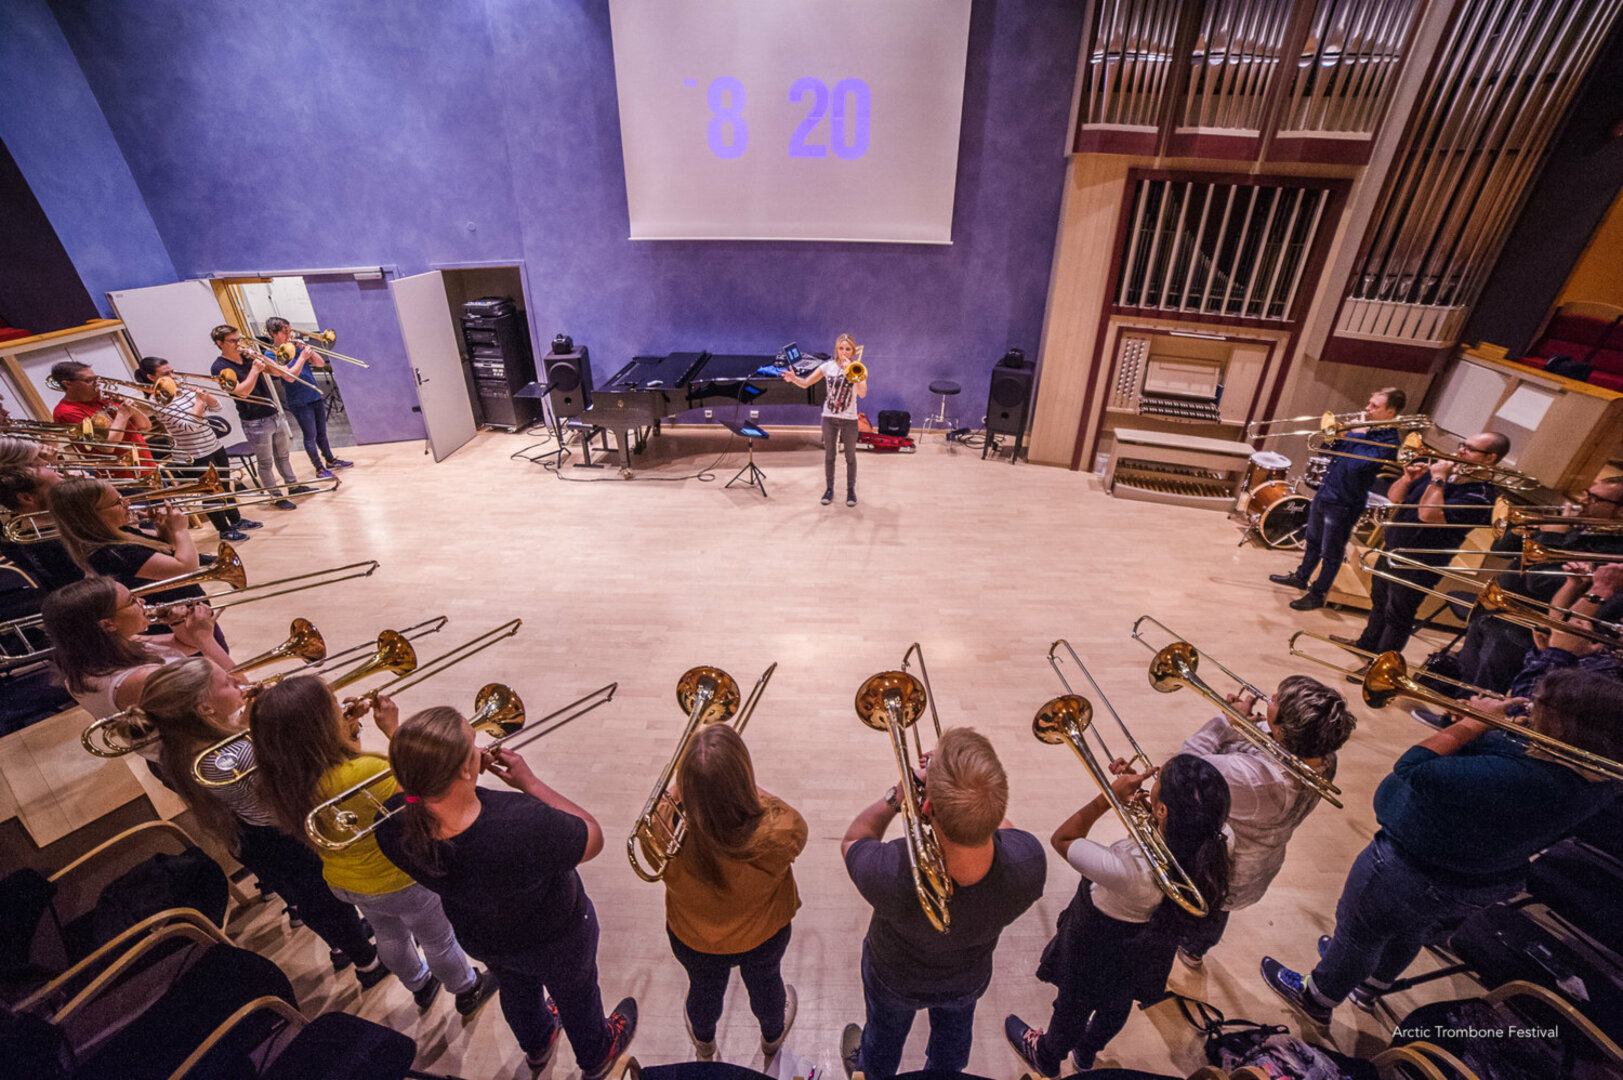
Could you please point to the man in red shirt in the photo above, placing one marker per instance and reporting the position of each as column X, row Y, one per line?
column 82, row 400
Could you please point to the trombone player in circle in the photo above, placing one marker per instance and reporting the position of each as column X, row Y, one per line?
column 847, row 380
column 1354, row 466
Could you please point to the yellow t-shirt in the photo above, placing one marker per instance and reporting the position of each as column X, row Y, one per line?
column 361, row 867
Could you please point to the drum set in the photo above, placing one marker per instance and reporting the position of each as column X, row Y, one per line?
column 1275, row 511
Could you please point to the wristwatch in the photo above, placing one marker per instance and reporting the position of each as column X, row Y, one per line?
column 892, row 801
column 1595, row 598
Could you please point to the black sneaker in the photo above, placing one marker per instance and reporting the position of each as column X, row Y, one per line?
column 301, row 489
column 246, row 524
column 370, row 977
column 234, row 536
column 292, row 914
column 425, row 994
column 542, row 1058
column 469, row 1000
column 285, row 504
column 1023, row 1041
column 850, row 498
column 340, row 959
column 1307, row 602
column 1288, row 579
column 850, row 1048
column 1291, row 986
column 1432, row 719
column 828, row 496
column 622, row 1029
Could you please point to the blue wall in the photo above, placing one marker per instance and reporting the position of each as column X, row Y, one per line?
column 431, row 132
column 56, row 131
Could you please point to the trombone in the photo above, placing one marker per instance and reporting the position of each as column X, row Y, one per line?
column 893, row 701
column 497, row 711
column 1174, row 667
column 1414, row 448
column 1066, row 719
column 856, row 371
column 322, row 343
column 304, row 641
column 1358, row 672
column 1388, row 678
column 1331, row 423
column 411, row 675
column 1520, row 518
column 709, row 696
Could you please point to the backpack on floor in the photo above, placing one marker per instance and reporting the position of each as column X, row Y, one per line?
column 1231, row 1044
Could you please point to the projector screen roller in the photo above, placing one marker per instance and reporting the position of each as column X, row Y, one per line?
column 790, row 119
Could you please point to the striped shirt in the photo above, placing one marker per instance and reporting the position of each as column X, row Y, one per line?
column 190, row 436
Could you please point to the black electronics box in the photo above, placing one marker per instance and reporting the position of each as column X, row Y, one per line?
column 490, row 307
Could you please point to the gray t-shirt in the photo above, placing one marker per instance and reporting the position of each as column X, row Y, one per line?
column 913, row 958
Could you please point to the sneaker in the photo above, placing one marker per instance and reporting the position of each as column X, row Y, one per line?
column 340, row 463
column 702, row 1051
column 234, row 536
column 1023, row 1040
column 1364, row 998
column 1307, row 602
column 370, row 977
column 850, row 498
column 789, row 1005
column 1291, row 986
column 285, row 504
column 1190, row 960
column 325, row 474
column 1288, row 579
column 1356, row 676
column 1432, row 719
column 541, row 1059
column 1339, row 640
column 622, row 1028
column 469, row 1000
column 425, row 994
column 292, row 914
column 246, row 524
column 850, row 1048
column 301, row 489
column 828, row 496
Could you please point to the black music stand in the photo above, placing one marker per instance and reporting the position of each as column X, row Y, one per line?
column 751, row 431
column 540, row 390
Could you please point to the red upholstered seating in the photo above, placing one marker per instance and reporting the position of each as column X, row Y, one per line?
column 9, row 333
column 1585, row 332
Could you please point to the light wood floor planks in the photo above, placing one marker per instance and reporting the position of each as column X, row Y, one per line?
column 983, row 562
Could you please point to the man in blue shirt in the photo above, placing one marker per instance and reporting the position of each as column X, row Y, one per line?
column 1342, row 496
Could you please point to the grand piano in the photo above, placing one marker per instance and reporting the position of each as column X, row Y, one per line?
column 634, row 400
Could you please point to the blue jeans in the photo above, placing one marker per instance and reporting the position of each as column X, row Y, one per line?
column 268, row 437
column 1329, row 527
column 1389, row 910
column 568, row 970
column 312, row 420
column 709, row 973
column 406, row 919
column 890, row 1018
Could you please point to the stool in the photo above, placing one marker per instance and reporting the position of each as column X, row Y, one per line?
column 243, row 454
column 944, row 388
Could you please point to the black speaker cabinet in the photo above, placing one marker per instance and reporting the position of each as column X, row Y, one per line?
column 569, row 382
column 1008, row 400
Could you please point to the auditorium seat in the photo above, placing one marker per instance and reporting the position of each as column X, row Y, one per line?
column 1584, row 331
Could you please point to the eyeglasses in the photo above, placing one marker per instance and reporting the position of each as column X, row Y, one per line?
column 1590, row 496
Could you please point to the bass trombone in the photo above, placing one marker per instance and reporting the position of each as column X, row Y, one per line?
column 1414, row 448
column 322, row 343
column 893, row 701
column 497, row 711
column 709, row 696
column 1175, row 667
column 1330, row 424
column 1067, row 719
column 1520, row 518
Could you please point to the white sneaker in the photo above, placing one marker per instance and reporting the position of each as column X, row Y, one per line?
column 770, row 1048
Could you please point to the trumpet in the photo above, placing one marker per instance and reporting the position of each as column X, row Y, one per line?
column 1388, row 678
column 709, row 696
column 893, row 701
column 322, row 343
column 1175, row 666
column 1414, row 448
column 497, row 711
column 1498, row 601
column 1067, row 719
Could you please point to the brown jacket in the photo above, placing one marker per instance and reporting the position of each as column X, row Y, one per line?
column 758, row 898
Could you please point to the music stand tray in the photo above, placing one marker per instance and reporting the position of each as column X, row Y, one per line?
column 750, row 431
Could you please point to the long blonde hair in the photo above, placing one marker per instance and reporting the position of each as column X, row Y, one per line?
column 172, row 701
column 76, row 508
column 847, row 338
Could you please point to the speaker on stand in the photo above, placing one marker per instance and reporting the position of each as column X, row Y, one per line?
column 1008, row 401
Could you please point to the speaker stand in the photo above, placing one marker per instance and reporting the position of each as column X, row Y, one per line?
column 757, row 478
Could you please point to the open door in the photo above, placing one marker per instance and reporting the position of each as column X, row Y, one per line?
column 425, row 325
column 174, row 322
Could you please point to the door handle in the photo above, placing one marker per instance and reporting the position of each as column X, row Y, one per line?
column 419, row 375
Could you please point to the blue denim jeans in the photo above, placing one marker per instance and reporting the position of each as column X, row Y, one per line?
column 709, row 973
column 890, row 1018
column 268, row 437
column 312, row 421
column 405, row 920
column 1389, row 910
column 1329, row 526
column 567, row 969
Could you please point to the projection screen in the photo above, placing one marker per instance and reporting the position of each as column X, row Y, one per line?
column 790, row 119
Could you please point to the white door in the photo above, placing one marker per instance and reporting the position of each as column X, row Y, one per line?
column 174, row 322
column 424, row 313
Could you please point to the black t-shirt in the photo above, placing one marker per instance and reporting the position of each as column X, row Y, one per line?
column 1468, row 505
column 123, row 562
column 47, row 562
column 248, row 410
column 508, row 881
column 915, row 959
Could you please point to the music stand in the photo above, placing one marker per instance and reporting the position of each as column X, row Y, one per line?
column 751, row 431
column 540, row 390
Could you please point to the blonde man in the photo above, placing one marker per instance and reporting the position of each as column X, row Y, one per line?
column 997, row 872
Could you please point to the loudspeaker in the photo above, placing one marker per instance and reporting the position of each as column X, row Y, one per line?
column 569, row 382
column 895, row 422
column 1008, row 399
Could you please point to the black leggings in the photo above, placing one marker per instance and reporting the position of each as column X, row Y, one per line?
column 708, row 974
column 287, row 867
column 226, row 518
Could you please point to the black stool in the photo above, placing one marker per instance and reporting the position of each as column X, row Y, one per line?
column 943, row 388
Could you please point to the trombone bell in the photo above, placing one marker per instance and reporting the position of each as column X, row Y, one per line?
column 888, row 696
column 497, row 710
column 1064, row 713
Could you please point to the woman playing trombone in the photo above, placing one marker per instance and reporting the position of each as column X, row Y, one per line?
column 730, row 889
column 1114, row 944
column 94, row 522
column 194, row 703
column 193, row 444
column 308, row 750
column 504, row 865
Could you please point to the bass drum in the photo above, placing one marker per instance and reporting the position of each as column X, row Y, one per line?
column 1280, row 516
